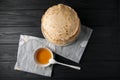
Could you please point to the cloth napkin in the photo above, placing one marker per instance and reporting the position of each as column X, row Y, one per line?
column 25, row 56
column 29, row 44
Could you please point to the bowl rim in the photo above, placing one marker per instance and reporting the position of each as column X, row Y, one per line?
column 43, row 65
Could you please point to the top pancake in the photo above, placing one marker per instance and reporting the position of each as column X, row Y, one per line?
column 60, row 23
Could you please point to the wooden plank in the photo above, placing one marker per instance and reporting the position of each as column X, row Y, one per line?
column 7, row 72
column 97, row 17
column 89, row 70
column 44, row 4
column 21, row 18
column 23, row 4
column 33, row 17
column 12, row 34
column 8, row 53
column 86, row 4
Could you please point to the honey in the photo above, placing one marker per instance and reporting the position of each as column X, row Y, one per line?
column 43, row 55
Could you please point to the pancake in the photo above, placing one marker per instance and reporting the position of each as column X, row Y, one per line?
column 60, row 24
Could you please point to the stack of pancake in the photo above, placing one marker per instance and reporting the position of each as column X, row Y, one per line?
column 60, row 25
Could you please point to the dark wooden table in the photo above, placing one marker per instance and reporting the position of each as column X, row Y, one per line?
column 101, row 59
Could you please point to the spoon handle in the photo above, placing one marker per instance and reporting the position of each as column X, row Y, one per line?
column 71, row 66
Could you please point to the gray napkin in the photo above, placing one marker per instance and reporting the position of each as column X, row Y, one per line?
column 28, row 45
column 25, row 57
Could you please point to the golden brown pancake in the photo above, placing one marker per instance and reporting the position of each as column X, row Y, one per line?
column 60, row 24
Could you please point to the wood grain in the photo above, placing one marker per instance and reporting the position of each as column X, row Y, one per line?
column 90, row 70
column 101, row 59
column 12, row 34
